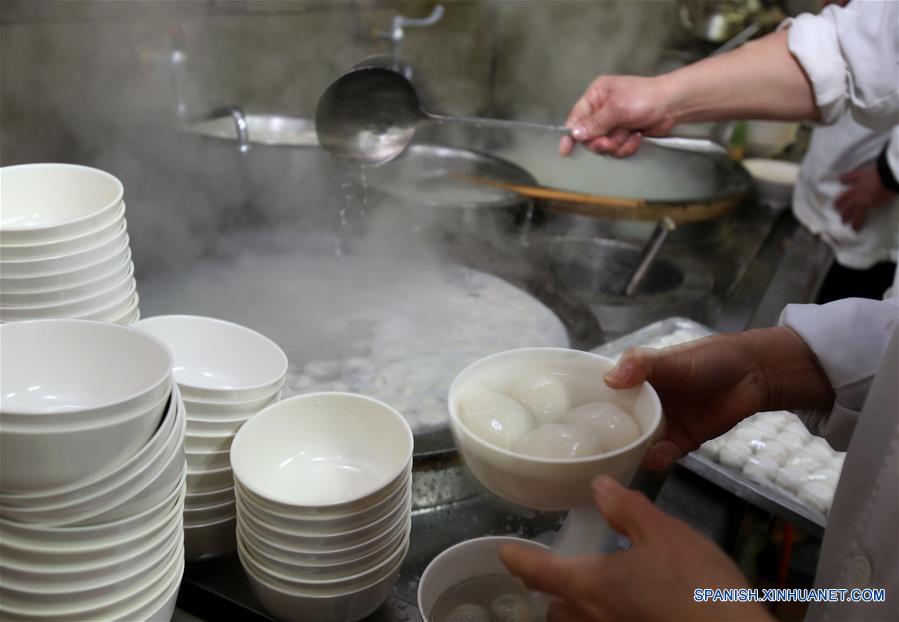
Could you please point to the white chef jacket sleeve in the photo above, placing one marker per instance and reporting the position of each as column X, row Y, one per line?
column 849, row 337
column 893, row 152
column 851, row 57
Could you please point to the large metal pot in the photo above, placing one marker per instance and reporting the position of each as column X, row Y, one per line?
column 287, row 176
column 428, row 191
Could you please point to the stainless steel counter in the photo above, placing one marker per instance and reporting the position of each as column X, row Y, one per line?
column 763, row 263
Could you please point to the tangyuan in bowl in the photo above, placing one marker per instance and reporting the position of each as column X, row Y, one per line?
column 537, row 425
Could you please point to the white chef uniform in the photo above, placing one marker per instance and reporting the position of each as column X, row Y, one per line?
column 851, row 57
column 857, row 344
column 836, row 149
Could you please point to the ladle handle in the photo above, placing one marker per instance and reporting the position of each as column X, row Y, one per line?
column 678, row 143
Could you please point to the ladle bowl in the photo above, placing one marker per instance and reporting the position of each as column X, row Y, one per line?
column 552, row 484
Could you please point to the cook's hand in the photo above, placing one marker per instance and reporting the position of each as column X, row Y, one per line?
column 614, row 112
column 864, row 192
column 708, row 386
column 653, row 580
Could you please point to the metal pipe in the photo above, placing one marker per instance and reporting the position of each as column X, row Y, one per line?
column 650, row 252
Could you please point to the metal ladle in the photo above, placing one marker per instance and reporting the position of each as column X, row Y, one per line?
column 369, row 116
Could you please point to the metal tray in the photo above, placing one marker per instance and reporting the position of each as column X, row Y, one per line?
column 775, row 501
column 649, row 333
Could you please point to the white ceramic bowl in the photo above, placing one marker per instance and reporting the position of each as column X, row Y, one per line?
column 313, row 583
column 45, row 602
column 102, row 233
column 148, row 490
column 337, row 513
column 334, row 538
column 53, row 265
column 325, row 543
column 36, row 590
column 48, row 202
column 159, row 605
column 268, row 545
column 129, row 319
column 85, row 368
column 343, row 447
column 233, row 409
column 209, row 514
column 286, row 565
column 206, row 461
column 291, row 604
column 466, row 560
column 201, row 443
column 543, row 483
column 51, row 457
column 96, row 484
column 768, row 138
column 63, row 295
column 209, row 480
column 129, row 316
column 22, row 575
column 774, row 180
column 91, row 555
column 208, row 428
column 215, row 359
column 204, row 499
column 298, row 521
column 87, row 544
column 209, row 540
column 140, row 596
column 66, row 278
column 98, row 303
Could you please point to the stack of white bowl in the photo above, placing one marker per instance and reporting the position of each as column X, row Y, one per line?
column 226, row 373
column 64, row 249
column 92, row 473
column 323, row 485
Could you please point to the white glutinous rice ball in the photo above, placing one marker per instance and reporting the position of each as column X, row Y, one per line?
column 760, row 469
column 790, row 477
column 544, row 396
column 734, row 454
column 493, row 417
column 616, row 428
column 747, row 433
column 774, row 449
column 797, row 428
column 819, row 447
column 825, row 474
column 712, row 448
column 512, row 608
column 818, row 495
column 804, row 460
column 837, row 461
column 759, row 423
column 790, row 440
column 468, row 613
column 777, row 418
column 559, row 441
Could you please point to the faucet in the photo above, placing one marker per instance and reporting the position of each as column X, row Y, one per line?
column 397, row 33
column 240, row 124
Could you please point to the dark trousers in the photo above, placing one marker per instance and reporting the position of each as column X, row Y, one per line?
column 842, row 282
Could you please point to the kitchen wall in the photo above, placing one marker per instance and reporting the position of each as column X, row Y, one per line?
column 93, row 81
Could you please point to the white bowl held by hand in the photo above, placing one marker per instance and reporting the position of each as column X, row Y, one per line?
column 550, row 484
